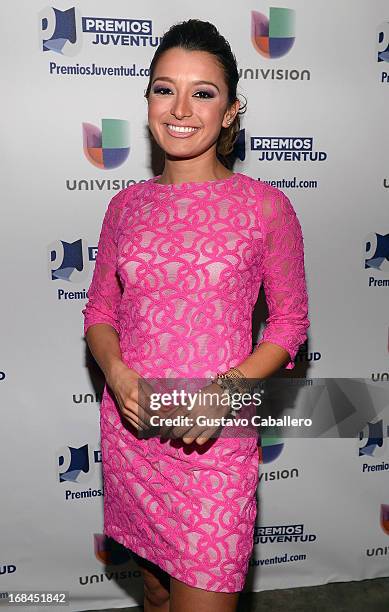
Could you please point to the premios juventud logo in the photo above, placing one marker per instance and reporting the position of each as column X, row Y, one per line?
column 383, row 42
column 383, row 50
column 376, row 259
column 68, row 263
column 62, row 31
column 75, row 468
column 66, row 33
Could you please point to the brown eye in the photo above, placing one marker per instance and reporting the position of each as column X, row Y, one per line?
column 204, row 94
column 161, row 90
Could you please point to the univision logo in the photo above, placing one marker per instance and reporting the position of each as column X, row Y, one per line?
column 381, row 551
column 108, row 147
column 270, row 446
column 87, row 398
column 110, row 552
column 273, row 37
column 384, row 518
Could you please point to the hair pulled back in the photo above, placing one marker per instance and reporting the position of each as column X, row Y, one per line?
column 197, row 35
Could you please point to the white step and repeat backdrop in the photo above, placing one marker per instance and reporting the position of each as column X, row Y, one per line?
column 74, row 132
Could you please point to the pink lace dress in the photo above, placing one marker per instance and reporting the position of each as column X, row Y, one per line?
column 177, row 274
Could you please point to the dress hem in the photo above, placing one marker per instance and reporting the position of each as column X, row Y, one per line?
column 160, row 563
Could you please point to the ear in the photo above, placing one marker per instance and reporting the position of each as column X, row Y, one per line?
column 230, row 114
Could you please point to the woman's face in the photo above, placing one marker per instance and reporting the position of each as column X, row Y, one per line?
column 188, row 102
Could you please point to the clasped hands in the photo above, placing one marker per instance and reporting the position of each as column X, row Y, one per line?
column 213, row 405
column 133, row 395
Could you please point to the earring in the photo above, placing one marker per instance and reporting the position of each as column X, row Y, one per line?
column 228, row 121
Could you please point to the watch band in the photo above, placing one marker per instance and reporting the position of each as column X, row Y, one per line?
column 234, row 381
column 243, row 383
column 227, row 384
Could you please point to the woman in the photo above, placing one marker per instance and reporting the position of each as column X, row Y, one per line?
column 181, row 258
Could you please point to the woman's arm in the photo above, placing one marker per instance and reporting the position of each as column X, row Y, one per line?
column 130, row 392
column 266, row 359
column 101, row 321
column 283, row 276
column 103, row 342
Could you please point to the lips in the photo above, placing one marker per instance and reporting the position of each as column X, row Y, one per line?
column 181, row 131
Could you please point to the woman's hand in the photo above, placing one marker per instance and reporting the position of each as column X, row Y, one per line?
column 211, row 407
column 132, row 394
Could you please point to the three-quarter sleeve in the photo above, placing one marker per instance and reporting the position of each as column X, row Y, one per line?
column 283, row 275
column 105, row 292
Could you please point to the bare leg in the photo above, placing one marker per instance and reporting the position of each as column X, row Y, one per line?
column 184, row 597
column 156, row 586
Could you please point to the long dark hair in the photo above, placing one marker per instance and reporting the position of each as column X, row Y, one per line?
column 196, row 35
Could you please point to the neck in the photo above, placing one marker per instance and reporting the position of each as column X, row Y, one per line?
column 195, row 169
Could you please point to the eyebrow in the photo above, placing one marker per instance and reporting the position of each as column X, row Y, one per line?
column 163, row 78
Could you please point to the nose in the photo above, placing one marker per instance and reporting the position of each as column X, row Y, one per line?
column 181, row 106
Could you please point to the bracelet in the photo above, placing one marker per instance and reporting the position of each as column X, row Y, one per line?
column 233, row 381
column 242, row 382
column 228, row 386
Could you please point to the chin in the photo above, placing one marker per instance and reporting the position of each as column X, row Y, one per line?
column 181, row 152
column 171, row 152
column 185, row 151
